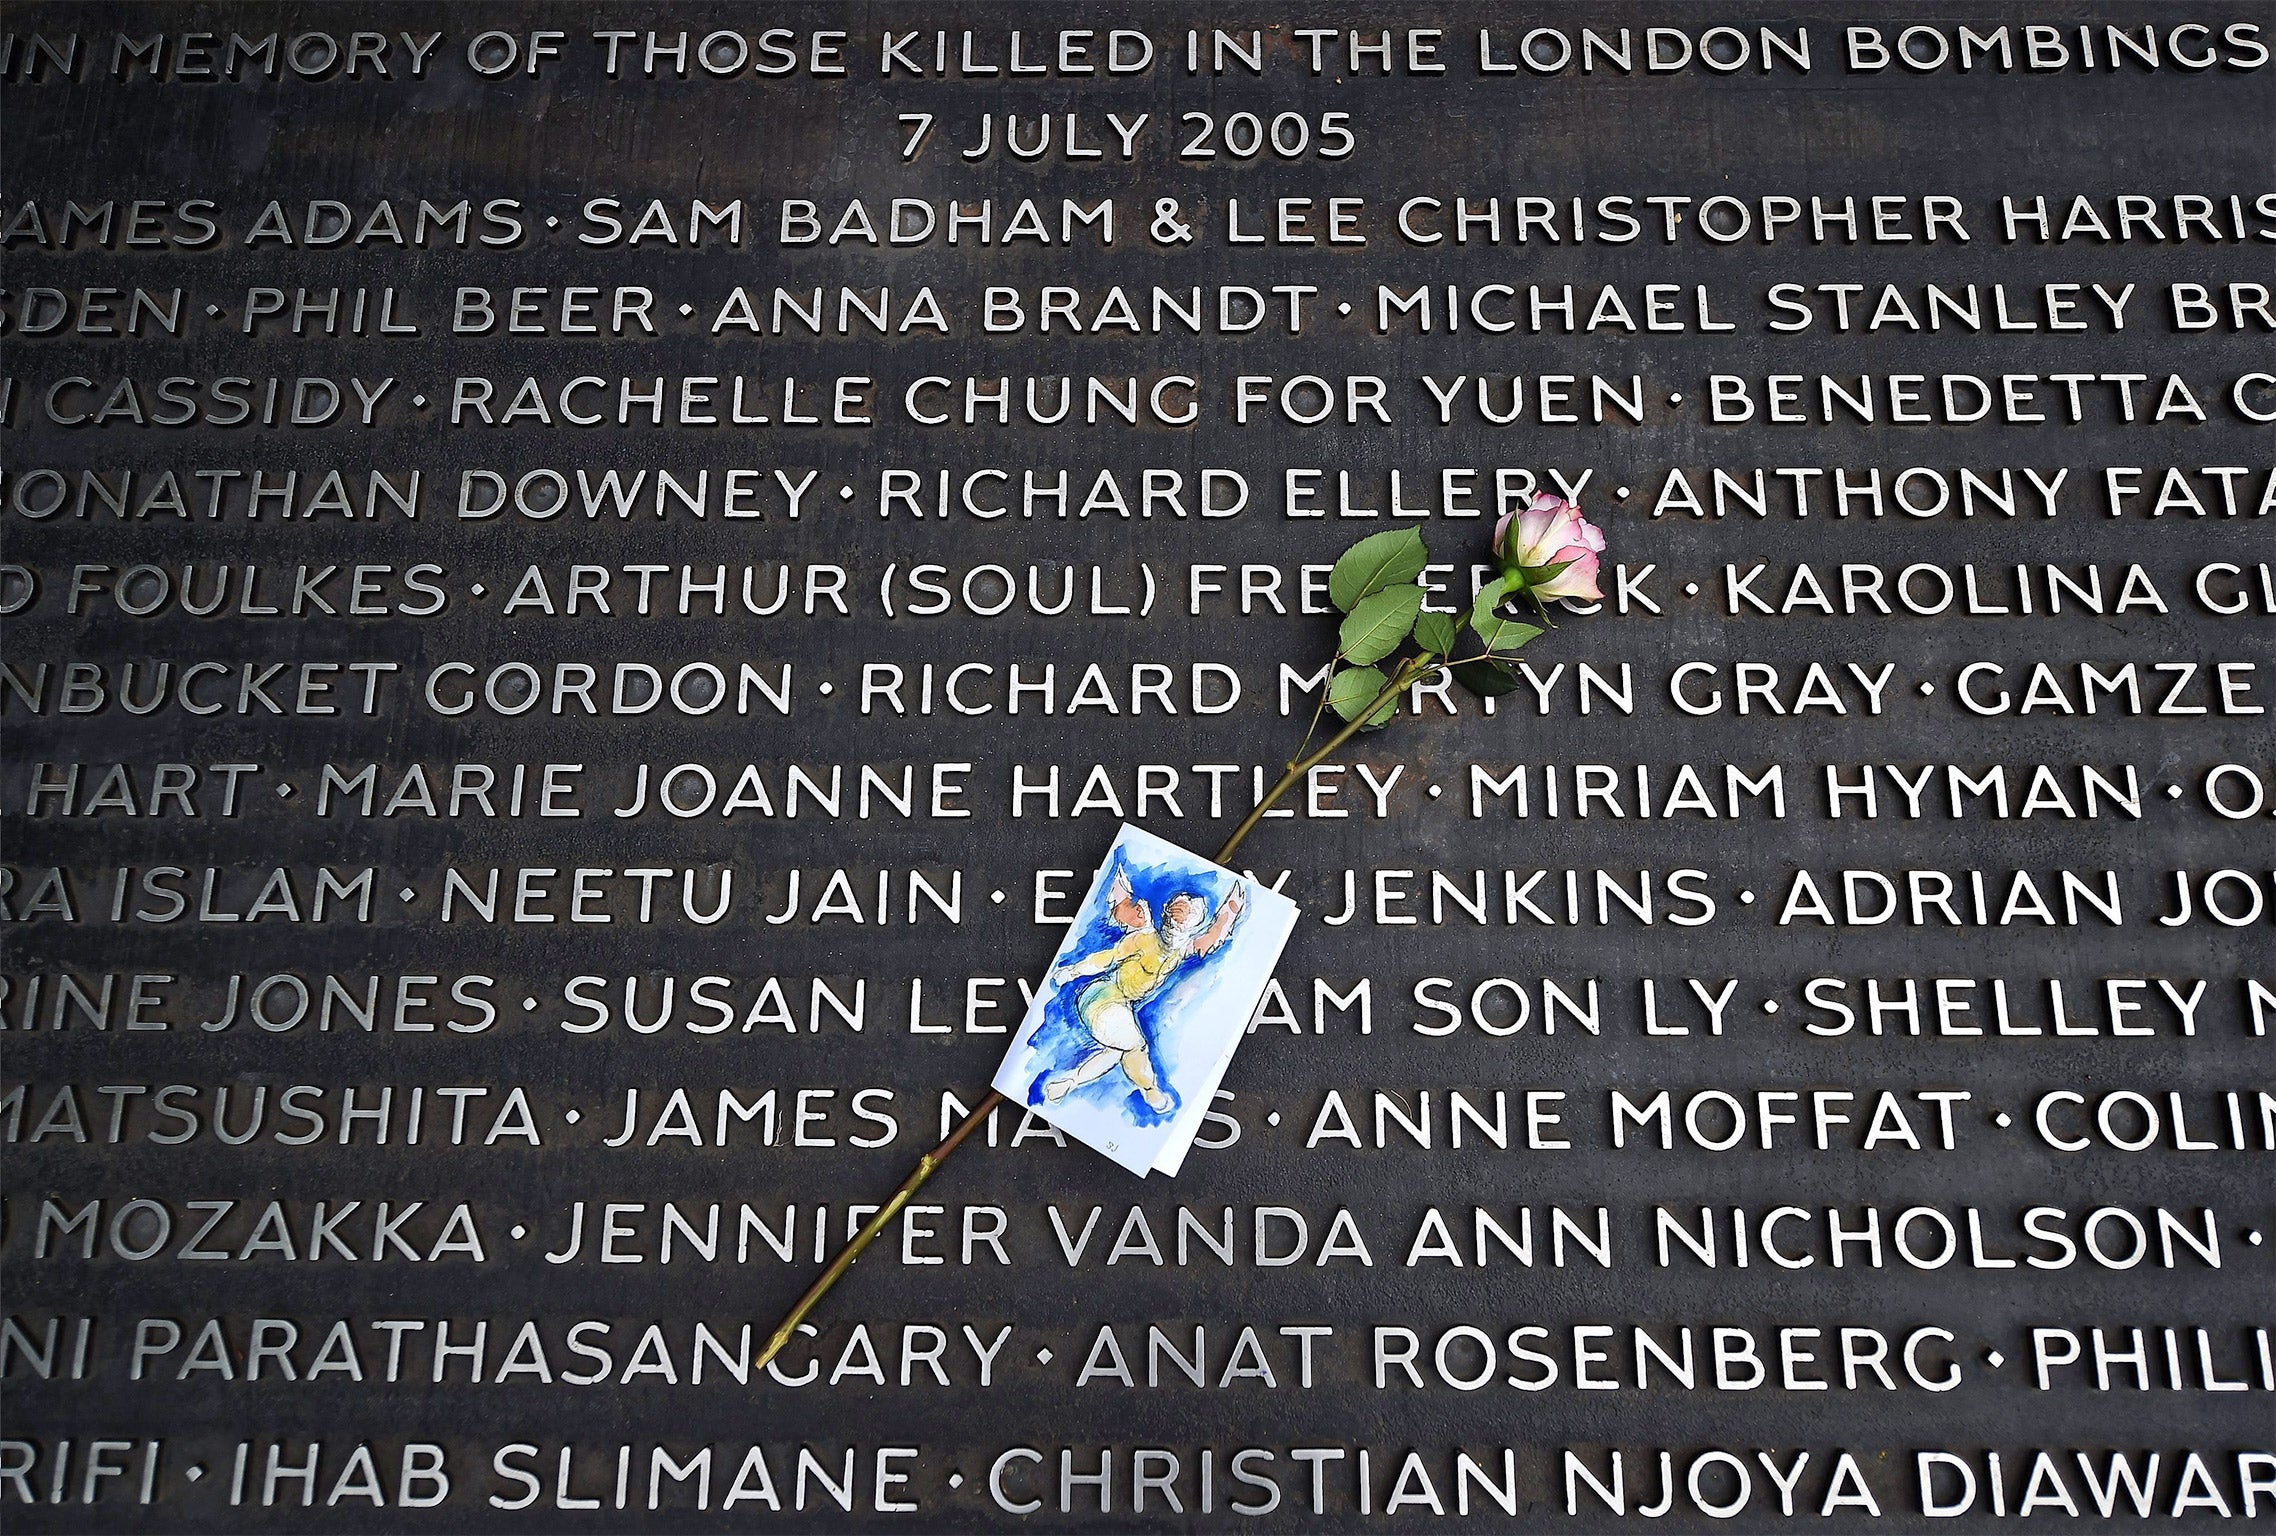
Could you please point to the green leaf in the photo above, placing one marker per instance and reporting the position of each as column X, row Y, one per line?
column 1379, row 624
column 1494, row 632
column 1352, row 689
column 1485, row 677
column 1434, row 632
column 1377, row 562
column 1503, row 636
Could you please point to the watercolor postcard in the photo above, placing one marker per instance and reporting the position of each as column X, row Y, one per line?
column 1147, row 999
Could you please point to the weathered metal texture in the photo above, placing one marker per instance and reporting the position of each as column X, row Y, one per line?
column 569, row 135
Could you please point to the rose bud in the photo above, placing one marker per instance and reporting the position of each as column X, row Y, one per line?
column 1553, row 546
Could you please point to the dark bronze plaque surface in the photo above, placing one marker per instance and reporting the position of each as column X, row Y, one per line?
column 584, row 585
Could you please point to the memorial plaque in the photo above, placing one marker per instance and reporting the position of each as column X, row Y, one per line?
column 586, row 587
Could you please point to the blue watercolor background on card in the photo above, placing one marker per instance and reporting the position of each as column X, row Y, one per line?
column 1062, row 1040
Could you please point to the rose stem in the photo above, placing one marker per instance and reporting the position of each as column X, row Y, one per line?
column 876, row 1224
column 1408, row 673
column 931, row 1161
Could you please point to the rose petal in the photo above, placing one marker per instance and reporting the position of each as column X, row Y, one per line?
column 1575, row 580
column 1539, row 530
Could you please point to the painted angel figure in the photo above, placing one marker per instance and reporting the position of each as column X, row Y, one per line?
column 1135, row 968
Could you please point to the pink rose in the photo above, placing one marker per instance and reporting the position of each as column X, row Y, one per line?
column 1550, row 533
